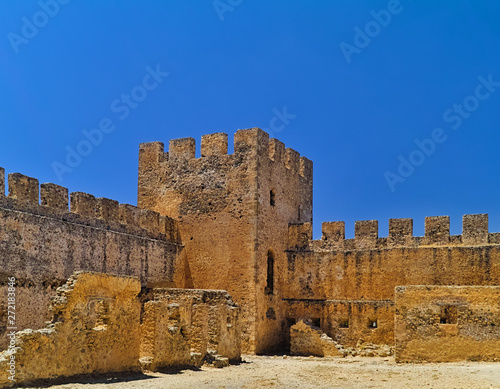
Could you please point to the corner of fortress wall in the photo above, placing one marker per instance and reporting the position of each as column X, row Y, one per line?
column 252, row 148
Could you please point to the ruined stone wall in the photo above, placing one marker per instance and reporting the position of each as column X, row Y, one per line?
column 188, row 327
column 354, row 279
column 346, row 321
column 227, row 222
column 447, row 323
column 42, row 243
column 308, row 340
column 97, row 326
column 94, row 329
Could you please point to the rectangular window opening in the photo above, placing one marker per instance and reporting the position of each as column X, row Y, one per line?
column 449, row 314
column 372, row 324
column 344, row 323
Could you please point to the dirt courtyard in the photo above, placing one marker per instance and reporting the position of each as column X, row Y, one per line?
column 302, row 372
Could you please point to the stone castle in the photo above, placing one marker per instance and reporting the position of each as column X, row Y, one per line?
column 238, row 227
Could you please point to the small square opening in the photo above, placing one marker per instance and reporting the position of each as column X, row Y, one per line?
column 449, row 314
column 344, row 323
column 372, row 324
column 290, row 321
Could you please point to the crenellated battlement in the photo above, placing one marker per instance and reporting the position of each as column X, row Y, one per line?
column 53, row 200
column 214, row 144
column 248, row 143
column 437, row 233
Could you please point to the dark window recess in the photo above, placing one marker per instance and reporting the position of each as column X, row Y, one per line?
column 316, row 321
column 344, row 323
column 449, row 314
column 270, row 273
column 272, row 198
column 270, row 314
column 372, row 323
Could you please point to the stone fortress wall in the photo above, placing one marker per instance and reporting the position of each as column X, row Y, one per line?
column 43, row 241
column 447, row 323
column 347, row 285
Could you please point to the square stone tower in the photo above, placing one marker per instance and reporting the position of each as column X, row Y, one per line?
column 234, row 212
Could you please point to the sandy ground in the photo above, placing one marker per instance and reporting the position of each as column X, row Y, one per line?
column 301, row 372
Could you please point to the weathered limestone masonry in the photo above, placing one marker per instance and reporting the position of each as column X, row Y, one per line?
column 188, row 327
column 346, row 286
column 41, row 245
column 233, row 212
column 96, row 327
column 447, row 323
column 308, row 340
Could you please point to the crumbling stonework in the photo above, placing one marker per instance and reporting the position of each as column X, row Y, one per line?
column 186, row 327
column 447, row 323
column 94, row 329
column 307, row 340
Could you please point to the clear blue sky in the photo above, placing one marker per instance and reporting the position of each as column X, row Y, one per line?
column 361, row 82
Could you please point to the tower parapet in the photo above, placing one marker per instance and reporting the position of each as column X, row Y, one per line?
column 214, row 144
column 250, row 142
